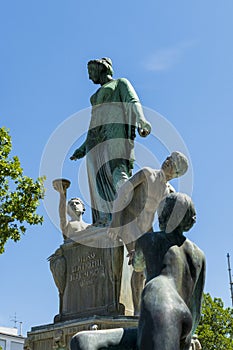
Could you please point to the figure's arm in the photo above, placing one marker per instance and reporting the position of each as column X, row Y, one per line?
column 143, row 126
column 80, row 152
column 62, row 206
column 134, row 108
column 140, row 176
column 196, row 301
column 124, row 196
column 62, row 213
column 126, row 191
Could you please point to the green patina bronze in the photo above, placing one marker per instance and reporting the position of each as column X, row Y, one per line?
column 109, row 145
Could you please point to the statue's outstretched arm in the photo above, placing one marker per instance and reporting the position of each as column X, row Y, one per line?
column 126, row 191
column 79, row 152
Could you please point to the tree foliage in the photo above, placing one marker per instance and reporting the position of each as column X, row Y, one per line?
column 19, row 195
column 215, row 330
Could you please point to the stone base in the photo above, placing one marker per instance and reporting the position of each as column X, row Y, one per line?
column 91, row 280
column 58, row 335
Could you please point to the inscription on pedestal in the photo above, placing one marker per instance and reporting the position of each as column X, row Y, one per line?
column 92, row 285
column 87, row 269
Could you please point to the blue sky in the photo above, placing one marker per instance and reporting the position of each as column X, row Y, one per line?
column 179, row 57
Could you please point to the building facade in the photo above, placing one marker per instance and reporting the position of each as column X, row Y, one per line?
column 10, row 340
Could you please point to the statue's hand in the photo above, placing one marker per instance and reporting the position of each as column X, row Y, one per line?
column 61, row 185
column 144, row 129
column 113, row 233
column 130, row 255
column 58, row 186
column 79, row 153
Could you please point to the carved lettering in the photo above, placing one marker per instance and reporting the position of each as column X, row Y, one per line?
column 88, row 269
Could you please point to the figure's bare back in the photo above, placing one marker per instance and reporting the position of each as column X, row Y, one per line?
column 186, row 270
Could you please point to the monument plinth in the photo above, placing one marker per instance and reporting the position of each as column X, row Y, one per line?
column 58, row 335
column 93, row 280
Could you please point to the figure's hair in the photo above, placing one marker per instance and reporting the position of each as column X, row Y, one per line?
column 176, row 212
column 105, row 63
column 79, row 201
column 181, row 163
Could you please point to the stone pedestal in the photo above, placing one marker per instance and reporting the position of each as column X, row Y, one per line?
column 89, row 275
column 58, row 335
column 93, row 280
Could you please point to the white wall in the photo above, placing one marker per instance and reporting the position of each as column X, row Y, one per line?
column 9, row 340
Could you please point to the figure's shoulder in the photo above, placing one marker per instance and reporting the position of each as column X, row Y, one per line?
column 191, row 244
column 143, row 173
column 148, row 170
column 192, row 248
column 154, row 174
column 124, row 83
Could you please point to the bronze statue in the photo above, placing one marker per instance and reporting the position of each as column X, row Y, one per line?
column 171, row 299
column 175, row 275
column 109, row 145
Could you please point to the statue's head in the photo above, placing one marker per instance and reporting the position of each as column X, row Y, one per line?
column 176, row 212
column 175, row 165
column 75, row 206
column 99, row 69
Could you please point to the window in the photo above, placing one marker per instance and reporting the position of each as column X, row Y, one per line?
column 16, row 346
column 3, row 344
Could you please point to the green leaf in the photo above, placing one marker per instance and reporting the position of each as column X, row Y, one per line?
column 20, row 195
column 215, row 330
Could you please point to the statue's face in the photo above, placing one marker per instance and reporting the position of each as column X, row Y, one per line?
column 169, row 168
column 75, row 205
column 93, row 71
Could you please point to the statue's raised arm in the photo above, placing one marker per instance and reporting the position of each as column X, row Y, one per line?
column 61, row 185
column 74, row 208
